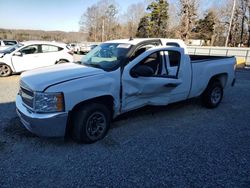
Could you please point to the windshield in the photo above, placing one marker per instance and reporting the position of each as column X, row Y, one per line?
column 11, row 48
column 107, row 56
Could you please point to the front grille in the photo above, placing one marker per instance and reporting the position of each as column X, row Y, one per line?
column 27, row 97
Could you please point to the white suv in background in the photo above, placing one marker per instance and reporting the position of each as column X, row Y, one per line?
column 33, row 54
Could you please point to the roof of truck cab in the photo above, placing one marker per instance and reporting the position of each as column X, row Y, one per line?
column 136, row 41
column 130, row 41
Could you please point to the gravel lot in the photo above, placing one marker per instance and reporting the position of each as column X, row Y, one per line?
column 181, row 145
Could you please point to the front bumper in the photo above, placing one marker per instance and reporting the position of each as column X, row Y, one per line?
column 44, row 125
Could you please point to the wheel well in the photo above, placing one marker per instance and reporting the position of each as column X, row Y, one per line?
column 107, row 100
column 222, row 78
column 62, row 60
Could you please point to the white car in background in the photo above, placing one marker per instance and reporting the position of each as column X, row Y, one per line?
column 4, row 44
column 33, row 54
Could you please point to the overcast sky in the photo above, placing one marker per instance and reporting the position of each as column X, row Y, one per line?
column 61, row 15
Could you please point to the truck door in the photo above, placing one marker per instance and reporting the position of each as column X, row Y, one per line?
column 157, row 87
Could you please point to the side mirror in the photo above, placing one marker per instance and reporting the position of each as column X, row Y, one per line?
column 18, row 54
column 142, row 70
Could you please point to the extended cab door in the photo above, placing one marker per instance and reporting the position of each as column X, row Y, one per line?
column 165, row 85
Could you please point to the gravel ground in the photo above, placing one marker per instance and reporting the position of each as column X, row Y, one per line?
column 181, row 145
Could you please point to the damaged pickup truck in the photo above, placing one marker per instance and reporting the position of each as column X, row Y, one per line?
column 116, row 77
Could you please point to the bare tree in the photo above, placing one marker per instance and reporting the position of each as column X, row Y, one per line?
column 231, row 22
column 248, row 24
column 243, row 8
column 90, row 23
column 188, row 17
column 100, row 21
column 132, row 18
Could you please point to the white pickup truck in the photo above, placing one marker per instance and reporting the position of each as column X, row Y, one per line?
column 116, row 77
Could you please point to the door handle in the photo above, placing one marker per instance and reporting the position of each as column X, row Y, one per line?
column 171, row 85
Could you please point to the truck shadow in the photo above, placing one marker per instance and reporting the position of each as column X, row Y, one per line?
column 12, row 129
column 154, row 110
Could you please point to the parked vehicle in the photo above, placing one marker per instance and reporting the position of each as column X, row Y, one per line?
column 85, row 48
column 71, row 46
column 114, row 78
column 4, row 44
column 33, row 54
column 74, row 47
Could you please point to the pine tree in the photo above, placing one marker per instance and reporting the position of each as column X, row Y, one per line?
column 158, row 18
column 155, row 23
column 205, row 28
column 143, row 30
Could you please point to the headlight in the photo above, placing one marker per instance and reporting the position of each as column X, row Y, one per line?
column 48, row 102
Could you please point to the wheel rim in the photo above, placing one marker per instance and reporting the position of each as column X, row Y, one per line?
column 4, row 70
column 216, row 95
column 96, row 125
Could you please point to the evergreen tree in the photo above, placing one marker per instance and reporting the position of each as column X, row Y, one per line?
column 158, row 18
column 205, row 28
column 155, row 23
column 143, row 30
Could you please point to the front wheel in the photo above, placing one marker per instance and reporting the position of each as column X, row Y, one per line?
column 5, row 70
column 90, row 123
column 213, row 95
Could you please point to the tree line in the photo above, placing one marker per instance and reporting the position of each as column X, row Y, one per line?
column 24, row 35
column 186, row 19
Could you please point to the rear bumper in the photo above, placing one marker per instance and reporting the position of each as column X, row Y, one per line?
column 44, row 125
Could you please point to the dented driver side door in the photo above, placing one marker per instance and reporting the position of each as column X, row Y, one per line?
column 157, row 89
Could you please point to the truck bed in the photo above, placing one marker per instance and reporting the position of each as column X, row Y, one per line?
column 205, row 67
column 203, row 58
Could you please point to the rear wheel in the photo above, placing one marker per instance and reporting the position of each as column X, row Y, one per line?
column 5, row 70
column 90, row 123
column 213, row 95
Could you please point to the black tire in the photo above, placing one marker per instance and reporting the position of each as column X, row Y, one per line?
column 213, row 95
column 90, row 123
column 5, row 70
column 61, row 61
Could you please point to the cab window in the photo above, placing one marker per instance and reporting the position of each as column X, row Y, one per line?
column 144, row 47
column 172, row 61
column 163, row 63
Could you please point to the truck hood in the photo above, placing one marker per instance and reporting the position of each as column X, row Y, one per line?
column 41, row 78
